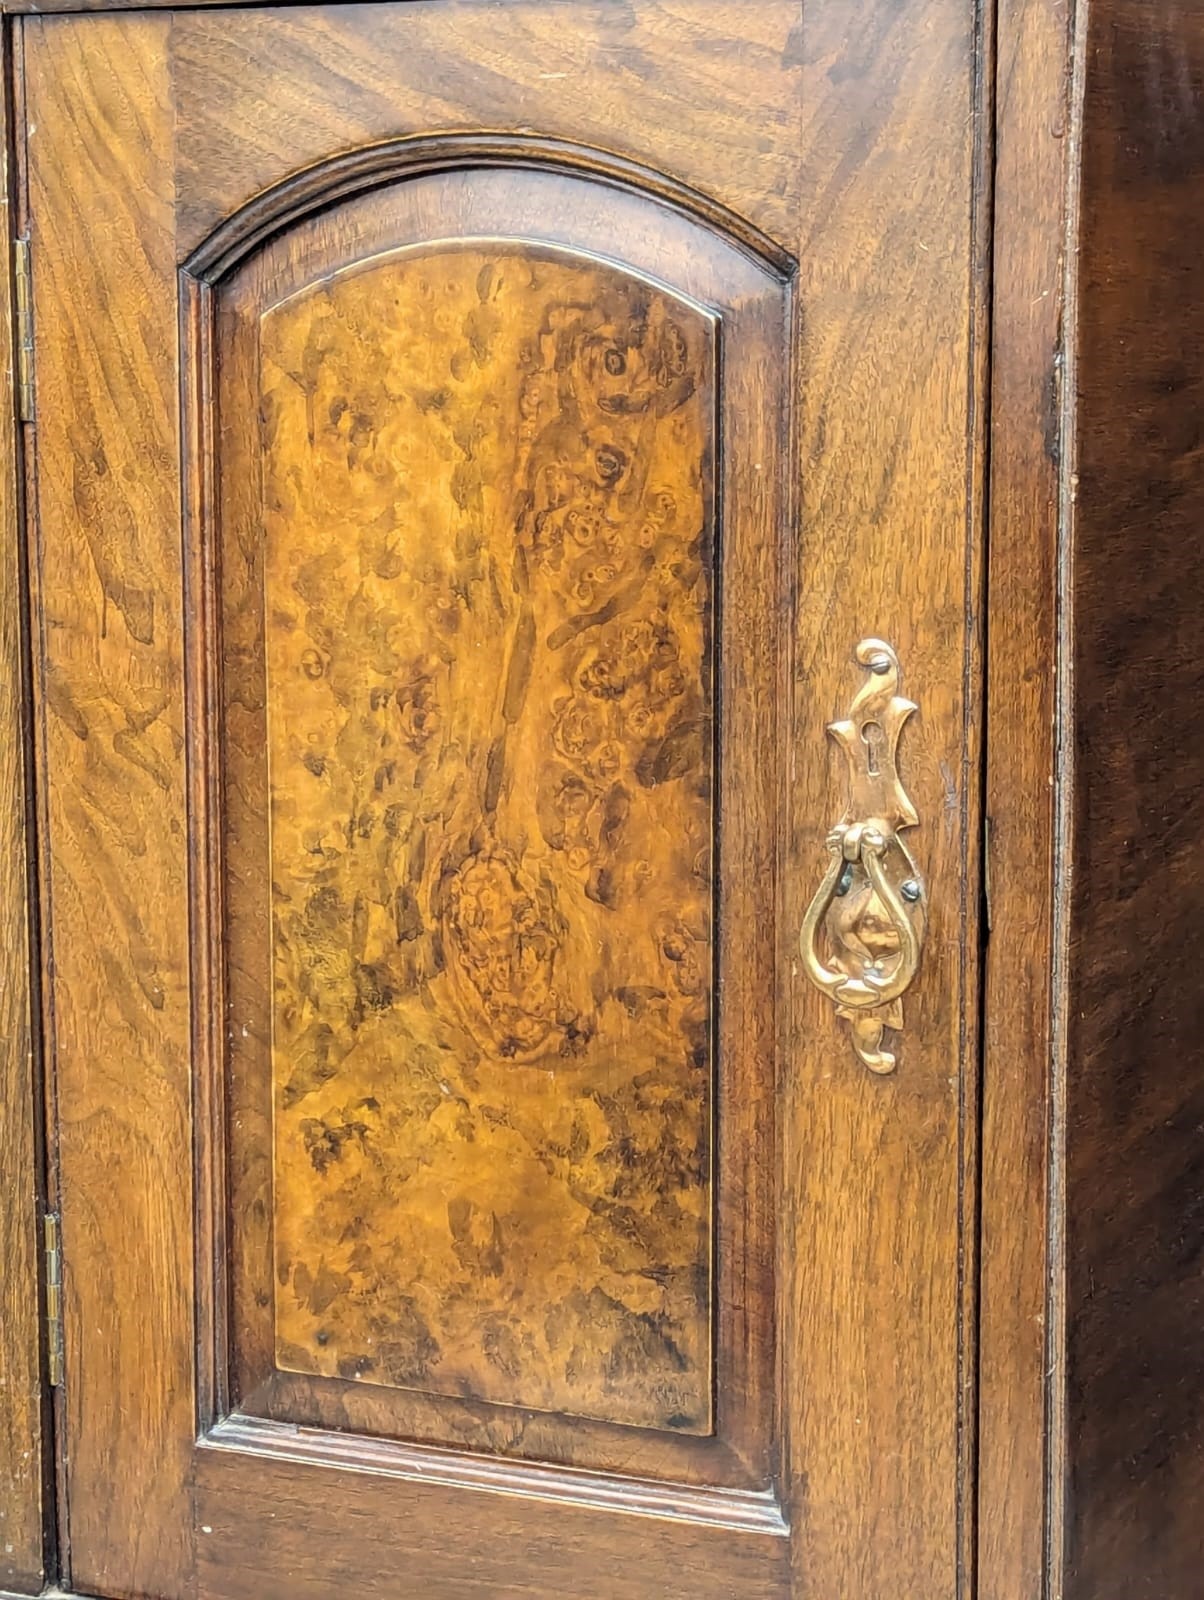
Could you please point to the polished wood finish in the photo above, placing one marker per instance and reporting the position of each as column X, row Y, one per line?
column 1134, row 1093
column 752, row 300
column 592, row 872
column 667, row 88
column 844, row 152
column 755, row 142
column 109, row 691
column 1034, row 168
column 915, row 1386
column 883, row 1169
column 392, row 1525
column 487, row 579
column 23, row 1407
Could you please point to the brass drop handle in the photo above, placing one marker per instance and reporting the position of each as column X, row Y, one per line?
column 869, row 908
column 879, row 982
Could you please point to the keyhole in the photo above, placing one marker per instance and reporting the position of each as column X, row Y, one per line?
column 872, row 735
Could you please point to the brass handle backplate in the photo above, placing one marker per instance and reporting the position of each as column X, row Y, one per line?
column 869, row 909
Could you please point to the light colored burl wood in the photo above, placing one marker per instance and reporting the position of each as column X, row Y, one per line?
column 487, row 515
column 583, row 223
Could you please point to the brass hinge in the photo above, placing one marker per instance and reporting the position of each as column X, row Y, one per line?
column 24, row 277
column 54, row 1298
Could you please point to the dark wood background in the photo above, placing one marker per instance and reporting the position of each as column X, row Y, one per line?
column 1134, row 1091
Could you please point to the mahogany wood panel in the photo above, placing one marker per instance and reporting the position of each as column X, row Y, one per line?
column 110, row 692
column 488, row 579
column 1134, row 1358
column 22, row 1456
column 1033, row 152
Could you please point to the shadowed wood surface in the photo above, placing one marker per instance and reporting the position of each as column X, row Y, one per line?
column 1134, row 1175
column 487, row 582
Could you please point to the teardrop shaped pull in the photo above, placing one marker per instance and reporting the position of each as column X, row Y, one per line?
column 869, row 907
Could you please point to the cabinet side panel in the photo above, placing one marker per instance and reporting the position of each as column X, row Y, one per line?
column 1134, row 1368
column 21, row 1560
column 112, row 724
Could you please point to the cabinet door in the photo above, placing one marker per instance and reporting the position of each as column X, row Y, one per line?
column 470, row 442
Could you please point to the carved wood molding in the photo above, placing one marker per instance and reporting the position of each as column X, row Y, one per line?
column 374, row 165
column 749, row 1511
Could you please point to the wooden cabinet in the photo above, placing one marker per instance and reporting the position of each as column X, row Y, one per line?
column 597, row 802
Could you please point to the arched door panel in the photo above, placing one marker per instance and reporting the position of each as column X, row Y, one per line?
column 483, row 452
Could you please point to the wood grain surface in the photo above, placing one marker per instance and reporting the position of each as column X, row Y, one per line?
column 1034, row 162
column 22, row 1457
column 705, row 93
column 580, row 218
column 819, row 1212
column 501, row 1544
column 1134, row 1184
column 880, row 1172
column 110, row 697
column 487, row 583
column 849, row 135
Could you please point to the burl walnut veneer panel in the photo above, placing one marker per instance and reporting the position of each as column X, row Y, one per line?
column 487, row 595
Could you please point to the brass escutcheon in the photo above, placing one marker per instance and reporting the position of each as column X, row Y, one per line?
column 869, row 909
